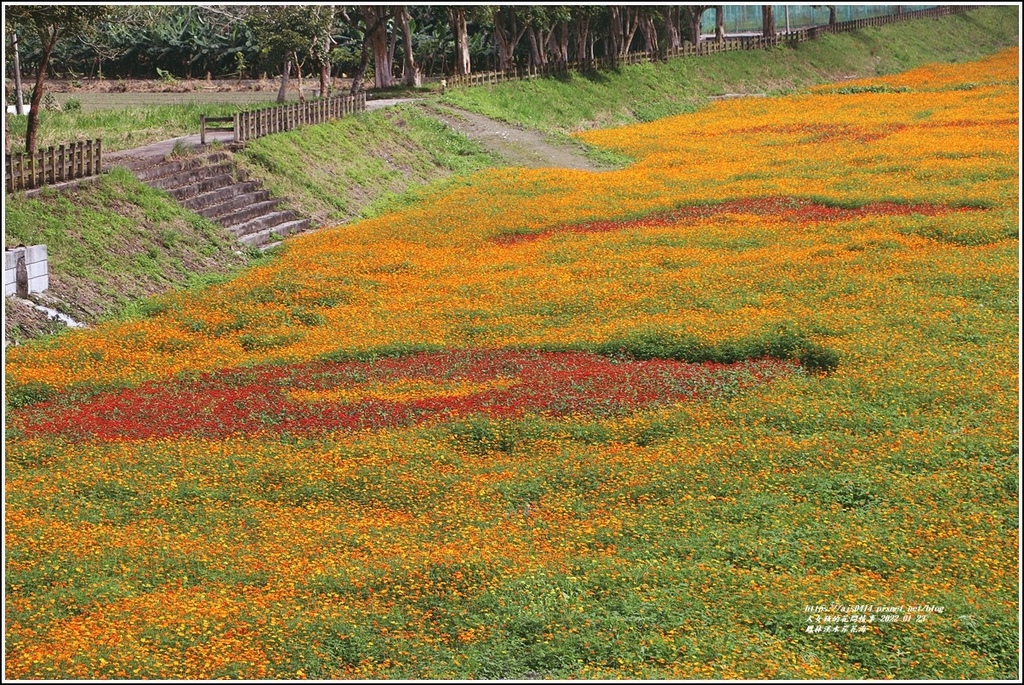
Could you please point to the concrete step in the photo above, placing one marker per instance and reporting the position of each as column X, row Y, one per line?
column 155, row 171
column 186, row 176
column 244, row 214
column 203, row 185
column 274, row 233
column 218, row 195
column 260, row 223
column 212, row 211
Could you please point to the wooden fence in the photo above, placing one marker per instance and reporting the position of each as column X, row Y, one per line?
column 706, row 47
column 261, row 122
column 55, row 164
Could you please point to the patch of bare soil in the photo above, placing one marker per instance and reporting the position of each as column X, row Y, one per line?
column 22, row 322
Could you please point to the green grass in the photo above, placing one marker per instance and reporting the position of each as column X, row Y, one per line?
column 652, row 91
column 116, row 240
column 120, row 129
column 363, row 165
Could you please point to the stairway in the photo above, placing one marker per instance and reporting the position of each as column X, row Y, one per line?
column 211, row 185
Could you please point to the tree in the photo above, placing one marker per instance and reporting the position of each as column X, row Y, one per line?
column 719, row 23
column 671, row 18
column 649, row 31
column 693, row 14
column 768, row 21
column 376, row 19
column 291, row 34
column 410, row 70
column 507, row 34
column 457, row 17
column 50, row 23
column 583, row 16
column 625, row 20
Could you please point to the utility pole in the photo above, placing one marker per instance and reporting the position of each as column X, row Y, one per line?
column 787, row 19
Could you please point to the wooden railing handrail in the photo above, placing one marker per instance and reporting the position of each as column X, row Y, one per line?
column 55, row 164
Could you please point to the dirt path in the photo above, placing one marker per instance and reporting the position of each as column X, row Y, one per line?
column 518, row 147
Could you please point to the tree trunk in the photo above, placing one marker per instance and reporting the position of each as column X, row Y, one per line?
column 695, row 13
column 675, row 41
column 364, row 58
column 719, row 23
column 506, row 36
column 535, row 56
column 563, row 42
column 410, row 70
column 298, row 76
column 457, row 16
column 19, row 93
column 325, row 69
column 768, row 21
column 582, row 27
column 831, row 15
column 285, row 74
column 650, row 33
column 625, row 21
column 377, row 30
column 47, row 40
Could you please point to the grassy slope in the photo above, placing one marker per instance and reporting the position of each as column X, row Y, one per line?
column 364, row 165
column 648, row 92
column 116, row 240
column 357, row 166
column 119, row 240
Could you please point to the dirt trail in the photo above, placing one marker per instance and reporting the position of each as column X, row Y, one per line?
column 518, row 147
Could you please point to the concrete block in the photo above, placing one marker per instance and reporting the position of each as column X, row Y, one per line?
column 11, row 257
column 10, row 276
column 39, row 283
column 37, row 269
column 35, row 253
column 10, row 289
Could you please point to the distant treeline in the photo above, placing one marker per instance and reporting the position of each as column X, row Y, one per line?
column 398, row 43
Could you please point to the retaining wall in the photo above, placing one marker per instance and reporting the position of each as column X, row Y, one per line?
column 36, row 269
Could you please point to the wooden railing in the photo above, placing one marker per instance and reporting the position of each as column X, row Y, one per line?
column 261, row 122
column 55, row 164
column 706, row 47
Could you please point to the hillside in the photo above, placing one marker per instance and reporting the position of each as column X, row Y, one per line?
column 646, row 92
column 387, row 159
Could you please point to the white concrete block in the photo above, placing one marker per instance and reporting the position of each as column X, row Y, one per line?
column 10, row 276
column 35, row 253
column 10, row 289
column 11, row 257
column 37, row 269
column 39, row 283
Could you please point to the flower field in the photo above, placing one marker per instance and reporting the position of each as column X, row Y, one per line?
column 747, row 408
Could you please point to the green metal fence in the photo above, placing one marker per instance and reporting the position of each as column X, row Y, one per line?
column 747, row 18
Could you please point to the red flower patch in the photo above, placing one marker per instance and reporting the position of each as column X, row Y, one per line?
column 786, row 209
column 320, row 397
